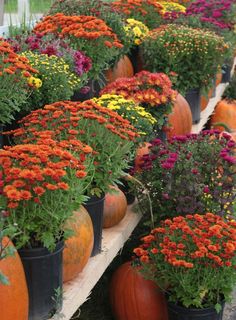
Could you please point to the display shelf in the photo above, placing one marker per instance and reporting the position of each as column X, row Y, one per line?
column 207, row 112
column 77, row 291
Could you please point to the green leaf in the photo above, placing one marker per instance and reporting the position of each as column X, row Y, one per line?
column 218, row 307
column 3, row 279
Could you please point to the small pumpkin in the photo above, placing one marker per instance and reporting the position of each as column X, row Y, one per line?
column 140, row 152
column 225, row 112
column 123, row 69
column 115, row 206
column 14, row 298
column 180, row 120
column 78, row 248
column 133, row 297
column 218, row 78
column 204, row 100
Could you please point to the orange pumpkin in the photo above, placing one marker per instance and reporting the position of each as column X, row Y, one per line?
column 78, row 248
column 14, row 298
column 225, row 112
column 115, row 207
column 123, row 69
column 180, row 120
column 135, row 298
column 204, row 100
column 218, row 78
column 144, row 149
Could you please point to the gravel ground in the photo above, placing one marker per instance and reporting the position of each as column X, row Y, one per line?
column 230, row 310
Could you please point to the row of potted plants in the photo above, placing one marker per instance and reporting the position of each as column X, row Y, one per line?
column 67, row 153
column 91, row 37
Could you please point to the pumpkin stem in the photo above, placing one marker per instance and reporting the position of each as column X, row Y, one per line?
column 222, row 124
column 146, row 192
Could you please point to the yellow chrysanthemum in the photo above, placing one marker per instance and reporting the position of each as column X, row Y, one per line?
column 132, row 110
column 35, row 82
column 53, row 65
column 136, row 29
column 172, row 6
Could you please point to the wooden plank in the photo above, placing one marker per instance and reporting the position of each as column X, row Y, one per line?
column 77, row 291
column 207, row 112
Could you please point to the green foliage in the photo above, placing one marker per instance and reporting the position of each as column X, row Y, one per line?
column 5, row 231
column 230, row 91
column 10, row 6
column 40, row 6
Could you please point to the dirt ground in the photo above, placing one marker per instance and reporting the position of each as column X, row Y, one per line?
column 230, row 310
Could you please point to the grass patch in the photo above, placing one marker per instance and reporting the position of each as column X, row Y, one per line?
column 10, row 6
column 37, row 6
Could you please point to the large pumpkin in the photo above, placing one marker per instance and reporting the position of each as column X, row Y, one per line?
column 115, row 207
column 225, row 112
column 180, row 120
column 14, row 300
column 78, row 248
column 135, row 298
column 123, row 69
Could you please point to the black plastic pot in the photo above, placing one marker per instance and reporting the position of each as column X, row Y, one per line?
column 94, row 87
column 135, row 58
column 176, row 312
column 193, row 97
column 95, row 207
column 160, row 133
column 226, row 73
column 129, row 194
column 43, row 271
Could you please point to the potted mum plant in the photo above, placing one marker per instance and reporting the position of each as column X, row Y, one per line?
column 99, row 9
column 51, row 45
column 110, row 136
column 190, row 174
column 142, row 120
column 153, row 91
column 42, row 186
column 193, row 54
column 219, row 17
column 87, row 34
column 14, row 89
column 58, row 82
column 192, row 259
column 148, row 12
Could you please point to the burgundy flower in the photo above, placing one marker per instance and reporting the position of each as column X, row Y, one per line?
column 206, row 189
column 194, row 171
column 167, row 165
